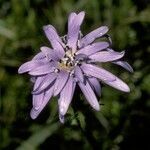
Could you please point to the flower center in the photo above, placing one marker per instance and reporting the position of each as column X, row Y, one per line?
column 70, row 59
column 68, row 62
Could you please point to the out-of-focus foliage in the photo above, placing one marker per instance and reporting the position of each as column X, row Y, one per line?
column 124, row 120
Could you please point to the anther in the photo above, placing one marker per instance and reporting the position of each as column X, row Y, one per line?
column 64, row 39
column 80, row 35
column 56, row 70
column 67, row 47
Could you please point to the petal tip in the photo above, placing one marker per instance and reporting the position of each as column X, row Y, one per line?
column 62, row 118
column 122, row 53
column 19, row 70
column 48, row 27
column 81, row 16
column 42, row 48
column 131, row 70
column 82, row 13
column 127, row 89
column 96, row 107
column 105, row 28
column 62, row 111
column 45, row 27
column 33, row 114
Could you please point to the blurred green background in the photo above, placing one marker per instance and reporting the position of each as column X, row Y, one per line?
column 124, row 120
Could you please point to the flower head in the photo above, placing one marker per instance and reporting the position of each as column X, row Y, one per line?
column 72, row 60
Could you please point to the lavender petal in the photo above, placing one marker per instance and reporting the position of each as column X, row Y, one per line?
column 39, row 56
column 51, row 34
column 96, row 85
column 106, row 56
column 45, row 82
column 79, row 74
column 81, row 57
column 37, row 83
column 66, row 96
column 73, row 30
column 37, row 100
column 97, row 72
column 71, row 19
column 119, row 84
column 124, row 64
column 54, row 38
column 44, row 69
column 89, row 38
column 60, row 82
column 50, row 53
column 28, row 66
column 93, row 48
column 59, row 49
column 89, row 95
column 47, row 96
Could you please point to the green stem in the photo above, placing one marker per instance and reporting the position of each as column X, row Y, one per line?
column 86, row 132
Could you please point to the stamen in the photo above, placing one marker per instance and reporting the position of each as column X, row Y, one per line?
column 56, row 70
column 67, row 48
column 64, row 39
column 80, row 35
column 78, row 44
column 70, row 60
column 72, row 73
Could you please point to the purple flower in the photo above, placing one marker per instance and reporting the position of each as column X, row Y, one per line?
column 72, row 60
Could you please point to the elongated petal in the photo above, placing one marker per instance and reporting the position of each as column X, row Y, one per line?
column 70, row 19
column 47, row 96
column 28, row 66
column 38, row 81
column 37, row 100
column 51, row 34
column 119, row 84
column 97, row 72
column 124, row 64
column 81, row 57
column 66, row 96
column 39, row 56
column 47, row 81
column 61, row 117
column 79, row 74
column 89, row 95
column 73, row 30
column 60, row 82
column 50, row 53
column 46, row 50
column 89, row 38
column 95, row 85
column 93, row 48
column 54, row 38
column 106, row 56
column 59, row 49
column 44, row 69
